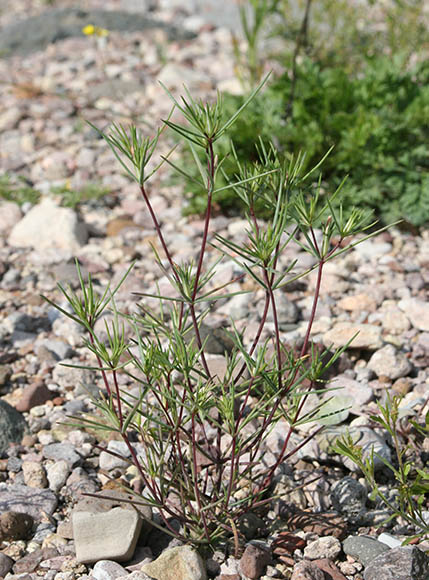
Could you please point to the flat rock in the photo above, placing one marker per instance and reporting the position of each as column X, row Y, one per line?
column 363, row 548
column 404, row 563
column 326, row 547
column 33, row 395
column 110, row 535
column 47, row 225
column 57, row 24
column 62, row 451
column 306, row 570
column 368, row 336
column 27, row 500
column 180, row 563
column 12, row 426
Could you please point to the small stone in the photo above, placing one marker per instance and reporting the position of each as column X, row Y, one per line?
column 363, row 548
column 15, row 526
column 12, row 426
column 34, row 474
column 358, row 302
column 359, row 393
column 404, row 563
column 108, row 570
column 390, row 363
column 250, row 524
column 389, row 540
column 254, row 561
column 368, row 336
column 327, row 566
column 306, row 570
column 109, row 462
column 6, row 564
column 10, row 214
column 32, row 396
column 417, row 311
column 58, row 473
column 327, row 547
column 180, row 563
column 62, row 451
column 110, row 535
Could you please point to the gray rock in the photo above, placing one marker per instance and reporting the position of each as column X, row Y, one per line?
column 390, row 363
column 110, row 535
column 180, row 563
column 358, row 392
column 12, row 426
column 287, row 311
column 348, row 497
column 57, row 24
column 405, row 563
column 34, row 474
column 6, row 564
column 27, row 500
column 108, row 570
column 326, row 547
column 47, row 225
column 62, row 451
column 363, row 548
column 10, row 214
column 109, row 462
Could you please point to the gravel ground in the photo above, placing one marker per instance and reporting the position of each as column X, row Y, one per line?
column 328, row 528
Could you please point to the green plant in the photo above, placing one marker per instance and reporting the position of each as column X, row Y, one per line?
column 375, row 121
column 203, row 434
column 71, row 197
column 411, row 482
column 17, row 190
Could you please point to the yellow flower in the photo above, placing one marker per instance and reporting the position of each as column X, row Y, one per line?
column 89, row 29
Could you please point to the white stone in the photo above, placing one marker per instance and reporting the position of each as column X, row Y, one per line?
column 58, row 473
column 389, row 363
column 417, row 311
column 47, row 225
column 107, row 535
column 108, row 570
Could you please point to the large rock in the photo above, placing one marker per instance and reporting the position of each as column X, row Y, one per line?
column 12, row 426
column 56, row 24
column 368, row 336
column 108, row 529
column 47, row 225
column 405, row 563
column 364, row 549
column 27, row 500
column 180, row 563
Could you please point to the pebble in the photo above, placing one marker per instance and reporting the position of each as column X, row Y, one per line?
column 367, row 336
column 108, row 570
column 328, row 547
column 388, row 362
column 349, row 496
column 254, row 561
column 306, row 570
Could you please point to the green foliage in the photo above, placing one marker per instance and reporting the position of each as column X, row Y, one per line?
column 376, row 121
column 71, row 197
column 17, row 190
column 411, row 482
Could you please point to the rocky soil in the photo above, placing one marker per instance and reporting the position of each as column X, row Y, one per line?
column 53, row 79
